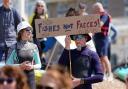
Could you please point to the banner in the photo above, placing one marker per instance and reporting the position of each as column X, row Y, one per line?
column 67, row 25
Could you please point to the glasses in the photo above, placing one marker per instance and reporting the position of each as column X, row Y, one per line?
column 7, row 80
column 28, row 30
column 77, row 37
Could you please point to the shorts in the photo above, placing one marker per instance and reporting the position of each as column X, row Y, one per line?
column 102, row 45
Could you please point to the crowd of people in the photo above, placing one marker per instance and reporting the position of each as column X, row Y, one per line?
column 23, row 53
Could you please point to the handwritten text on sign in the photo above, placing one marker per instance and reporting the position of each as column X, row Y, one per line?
column 67, row 25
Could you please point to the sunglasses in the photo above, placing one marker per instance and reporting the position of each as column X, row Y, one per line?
column 28, row 30
column 77, row 37
column 7, row 80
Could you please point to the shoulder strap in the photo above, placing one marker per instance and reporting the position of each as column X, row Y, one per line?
column 17, row 57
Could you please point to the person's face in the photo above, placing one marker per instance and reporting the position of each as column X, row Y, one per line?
column 95, row 10
column 40, row 8
column 7, row 82
column 80, row 40
column 6, row 2
column 27, row 34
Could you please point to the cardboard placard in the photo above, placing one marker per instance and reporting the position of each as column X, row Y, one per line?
column 67, row 25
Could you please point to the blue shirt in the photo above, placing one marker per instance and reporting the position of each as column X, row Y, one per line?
column 8, row 23
column 105, row 18
column 84, row 63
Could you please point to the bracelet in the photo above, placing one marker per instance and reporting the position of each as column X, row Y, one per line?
column 82, row 81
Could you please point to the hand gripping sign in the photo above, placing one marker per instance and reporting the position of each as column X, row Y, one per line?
column 67, row 26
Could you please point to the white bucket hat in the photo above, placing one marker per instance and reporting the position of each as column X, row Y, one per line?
column 22, row 25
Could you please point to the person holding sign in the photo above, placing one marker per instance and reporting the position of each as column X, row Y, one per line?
column 39, row 13
column 81, row 62
column 24, row 53
column 44, row 44
column 101, row 39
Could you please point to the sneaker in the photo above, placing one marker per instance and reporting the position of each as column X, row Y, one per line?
column 110, row 77
column 105, row 77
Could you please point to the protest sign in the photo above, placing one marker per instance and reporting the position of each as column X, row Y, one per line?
column 67, row 25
